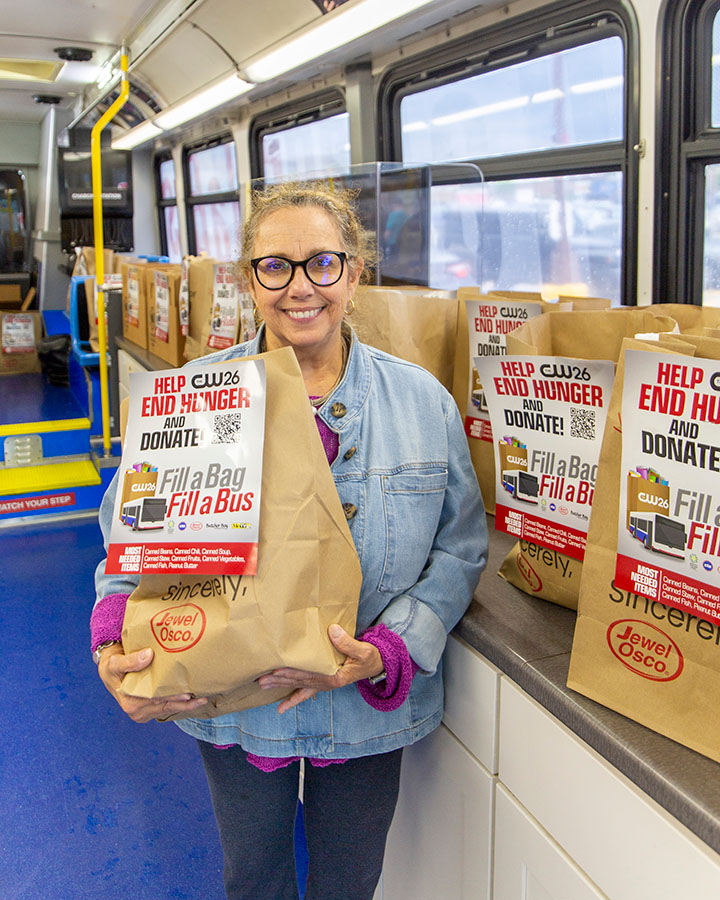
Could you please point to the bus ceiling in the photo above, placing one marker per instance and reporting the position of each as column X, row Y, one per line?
column 175, row 48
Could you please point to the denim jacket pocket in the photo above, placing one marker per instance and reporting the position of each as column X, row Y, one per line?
column 412, row 503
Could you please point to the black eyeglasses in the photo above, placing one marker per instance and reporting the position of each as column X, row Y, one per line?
column 276, row 272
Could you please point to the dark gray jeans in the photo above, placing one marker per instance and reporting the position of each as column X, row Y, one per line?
column 347, row 810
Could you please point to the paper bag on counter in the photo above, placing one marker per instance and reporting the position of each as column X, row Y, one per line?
column 681, row 701
column 691, row 319
column 416, row 324
column 504, row 311
column 220, row 307
column 591, row 334
column 308, row 577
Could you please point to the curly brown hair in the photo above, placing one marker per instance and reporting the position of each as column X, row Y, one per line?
column 339, row 203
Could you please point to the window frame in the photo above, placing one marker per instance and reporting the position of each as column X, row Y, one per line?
column 163, row 202
column 312, row 108
column 561, row 26
column 687, row 143
column 192, row 201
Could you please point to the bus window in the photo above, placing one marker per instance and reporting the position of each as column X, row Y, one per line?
column 569, row 98
column 315, row 147
column 216, row 229
column 548, row 126
column 212, row 200
column 563, row 231
column 306, row 136
column 14, row 231
column 167, row 205
column 688, row 178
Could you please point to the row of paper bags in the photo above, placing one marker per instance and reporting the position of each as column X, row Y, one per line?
column 683, row 707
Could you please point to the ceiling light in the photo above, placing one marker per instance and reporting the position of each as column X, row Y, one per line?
column 203, row 101
column 105, row 75
column 601, row 84
column 488, row 109
column 545, row 96
column 333, row 31
column 30, row 69
column 138, row 135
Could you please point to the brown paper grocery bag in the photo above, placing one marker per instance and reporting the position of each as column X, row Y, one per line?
column 586, row 303
column 165, row 341
column 308, row 577
column 466, row 381
column 201, row 338
column 86, row 265
column 691, row 319
column 684, row 708
column 587, row 334
column 415, row 324
column 201, row 273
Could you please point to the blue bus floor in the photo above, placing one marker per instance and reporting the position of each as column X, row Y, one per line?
column 92, row 804
column 29, row 398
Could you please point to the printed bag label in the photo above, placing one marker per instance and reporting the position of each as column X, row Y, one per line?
column 548, row 416
column 162, row 306
column 191, row 471
column 488, row 323
column 184, row 297
column 224, row 321
column 18, row 333
column 133, row 297
column 669, row 521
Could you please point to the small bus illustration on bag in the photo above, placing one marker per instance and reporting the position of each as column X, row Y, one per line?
column 521, row 485
column 514, row 476
column 659, row 533
column 144, row 513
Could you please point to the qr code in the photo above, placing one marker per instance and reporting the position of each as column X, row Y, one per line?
column 582, row 423
column 226, row 428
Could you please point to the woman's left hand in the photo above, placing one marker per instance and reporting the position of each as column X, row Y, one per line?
column 362, row 660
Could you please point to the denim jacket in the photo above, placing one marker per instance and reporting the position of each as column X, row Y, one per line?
column 420, row 532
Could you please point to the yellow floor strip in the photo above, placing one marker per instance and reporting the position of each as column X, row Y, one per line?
column 50, row 477
column 44, row 427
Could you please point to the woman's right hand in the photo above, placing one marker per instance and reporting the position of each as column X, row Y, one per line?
column 113, row 666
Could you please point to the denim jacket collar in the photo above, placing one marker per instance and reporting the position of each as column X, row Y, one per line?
column 351, row 394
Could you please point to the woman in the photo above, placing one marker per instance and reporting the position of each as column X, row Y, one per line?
column 399, row 457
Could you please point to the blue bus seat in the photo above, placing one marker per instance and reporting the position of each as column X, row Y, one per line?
column 82, row 351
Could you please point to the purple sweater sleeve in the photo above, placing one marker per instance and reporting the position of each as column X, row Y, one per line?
column 400, row 669
column 106, row 620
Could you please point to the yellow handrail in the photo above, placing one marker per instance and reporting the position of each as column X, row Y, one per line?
column 98, row 127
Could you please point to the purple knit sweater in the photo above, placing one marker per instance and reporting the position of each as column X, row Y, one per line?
column 107, row 618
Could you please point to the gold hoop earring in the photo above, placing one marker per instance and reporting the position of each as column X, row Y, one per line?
column 350, row 307
column 258, row 318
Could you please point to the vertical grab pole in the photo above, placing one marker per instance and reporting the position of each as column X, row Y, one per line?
column 98, row 127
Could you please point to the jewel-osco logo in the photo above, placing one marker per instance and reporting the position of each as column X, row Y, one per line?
column 179, row 627
column 645, row 649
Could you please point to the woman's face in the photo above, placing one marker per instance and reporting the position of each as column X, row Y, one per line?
column 302, row 315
